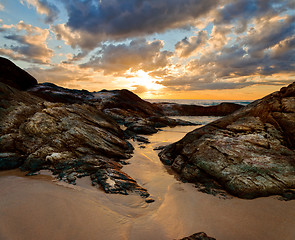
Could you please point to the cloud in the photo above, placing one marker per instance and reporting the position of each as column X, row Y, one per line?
column 188, row 46
column 121, row 19
column 244, row 10
column 45, row 8
column 1, row 7
column 139, row 89
column 31, row 43
column 268, row 33
column 72, row 76
column 140, row 54
column 60, row 74
column 266, row 50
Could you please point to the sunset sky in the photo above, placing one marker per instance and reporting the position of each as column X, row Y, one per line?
column 183, row 49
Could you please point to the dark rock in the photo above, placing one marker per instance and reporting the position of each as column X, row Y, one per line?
column 250, row 153
column 174, row 109
column 10, row 161
column 149, row 200
column 198, row 236
column 128, row 101
column 14, row 76
column 159, row 148
column 70, row 139
column 53, row 93
column 141, row 128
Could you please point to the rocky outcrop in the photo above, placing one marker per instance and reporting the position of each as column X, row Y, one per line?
column 53, row 93
column 126, row 108
column 14, row 76
column 71, row 140
column 174, row 109
column 250, row 153
column 198, row 236
column 138, row 115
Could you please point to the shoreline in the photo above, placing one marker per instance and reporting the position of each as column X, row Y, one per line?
column 82, row 211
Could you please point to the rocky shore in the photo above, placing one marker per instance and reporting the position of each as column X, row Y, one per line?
column 249, row 153
column 76, row 133
column 73, row 133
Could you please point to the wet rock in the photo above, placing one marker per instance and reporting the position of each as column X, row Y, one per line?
column 198, row 236
column 250, row 153
column 10, row 161
column 149, row 200
column 141, row 128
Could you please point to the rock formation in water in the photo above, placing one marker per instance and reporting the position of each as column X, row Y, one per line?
column 250, row 153
column 198, row 236
column 174, row 109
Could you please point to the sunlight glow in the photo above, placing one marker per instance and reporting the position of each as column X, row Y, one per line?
column 141, row 78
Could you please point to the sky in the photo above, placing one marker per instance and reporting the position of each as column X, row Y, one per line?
column 165, row 49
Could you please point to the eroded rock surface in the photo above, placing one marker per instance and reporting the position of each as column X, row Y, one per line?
column 72, row 140
column 250, row 153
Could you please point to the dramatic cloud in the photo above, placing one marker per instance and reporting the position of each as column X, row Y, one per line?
column 188, row 46
column 117, row 19
column 45, row 8
column 138, row 55
column 31, row 43
column 193, row 44
column 265, row 50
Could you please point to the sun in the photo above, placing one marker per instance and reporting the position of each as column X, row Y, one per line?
column 143, row 79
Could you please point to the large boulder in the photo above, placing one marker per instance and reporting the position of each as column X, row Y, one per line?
column 14, row 76
column 250, row 153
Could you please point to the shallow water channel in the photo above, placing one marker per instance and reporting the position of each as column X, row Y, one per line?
column 39, row 207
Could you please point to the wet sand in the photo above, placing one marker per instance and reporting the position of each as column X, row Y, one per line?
column 39, row 207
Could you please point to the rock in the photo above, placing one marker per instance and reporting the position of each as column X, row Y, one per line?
column 174, row 109
column 250, row 153
column 71, row 140
column 127, row 101
column 10, row 161
column 198, row 236
column 149, row 200
column 14, row 76
column 53, row 93
column 142, row 127
column 123, row 106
